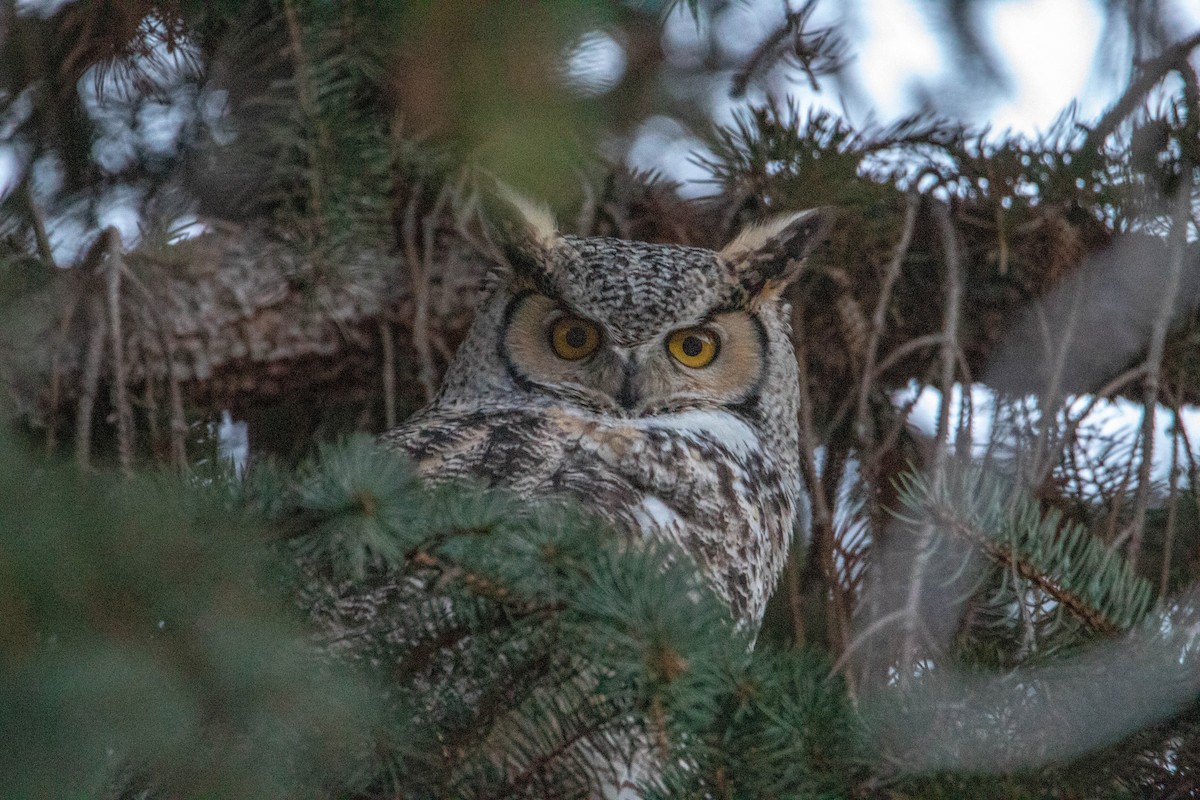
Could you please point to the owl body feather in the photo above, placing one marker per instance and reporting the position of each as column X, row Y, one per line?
column 700, row 479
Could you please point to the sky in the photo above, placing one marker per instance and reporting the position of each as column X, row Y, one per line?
column 1047, row 49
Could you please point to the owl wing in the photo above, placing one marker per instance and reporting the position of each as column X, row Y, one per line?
column 531, row 452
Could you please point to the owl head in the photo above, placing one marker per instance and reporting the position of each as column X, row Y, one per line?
column 630, row 329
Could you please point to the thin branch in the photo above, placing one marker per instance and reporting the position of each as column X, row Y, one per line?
column 950, row 321
column 90, row 384
column 1071, row 427
column 120, row 390
column 1193, row 468
column 1172, row 510
column 60, row 338
column 420, row 286
column 837, row 628
column 822, row 515
column 926, row 536
column 809, row 49
column 389, row 374
column 1149, row 74
column 914, row 629
column 178, row 423
column 903, row 350
column 879, row 318
column 308, row 105
column 795, row 597
column 1177, row 245
column 38, row 222
column 89, row 270
column 1042, row 461
column 1038, row 578
column 863, row 637
column 964, row 435
column 150, row 403
column 872, row 465
column 429, row 228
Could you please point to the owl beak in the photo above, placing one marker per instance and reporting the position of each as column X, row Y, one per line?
column 627, row 394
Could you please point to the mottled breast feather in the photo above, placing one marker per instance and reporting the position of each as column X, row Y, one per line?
column 699, row 479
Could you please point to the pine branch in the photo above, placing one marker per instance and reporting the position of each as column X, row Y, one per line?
column 1149, row 74
column 1059, row 558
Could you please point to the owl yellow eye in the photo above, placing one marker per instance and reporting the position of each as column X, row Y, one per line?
column 694, row 347
column 573, row 338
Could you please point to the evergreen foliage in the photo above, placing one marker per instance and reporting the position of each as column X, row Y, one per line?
column 140, row 646
column 220, row 637
column 156, row 647
column 1034, row 549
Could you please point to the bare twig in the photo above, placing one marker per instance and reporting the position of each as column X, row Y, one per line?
column 120, row 390
column 872, row 464
column 1028, row 645
column 1042, row 461
column 906, row 349
column 1193, row 468
column 1071, row 425
column 964, row 436
column 879, row 318
column 1172, row 510
column 816, row 51
column 822, row 514
column 1177, row 245
column 389, row 374
column 420, row 287
column 90, row 384
column 923, row 567
column 863, row 637
column 837, row 625
column 38, row 223
column 950, row 346
column 178, row 423
column 89, row 270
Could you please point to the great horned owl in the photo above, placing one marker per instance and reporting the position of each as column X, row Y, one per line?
column 655, row 384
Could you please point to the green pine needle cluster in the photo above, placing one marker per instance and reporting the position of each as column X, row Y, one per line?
column 138, row 647
column 1032, row 548
column 340, row 631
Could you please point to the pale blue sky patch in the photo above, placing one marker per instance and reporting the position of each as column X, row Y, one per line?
column 896, row 50
column 1049, row 48
column 10, row 169
column 661, row 143
column 120, row 207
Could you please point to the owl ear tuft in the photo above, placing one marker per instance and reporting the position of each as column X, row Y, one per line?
column 522, row 231
column 768, row 255
column 521, row 221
